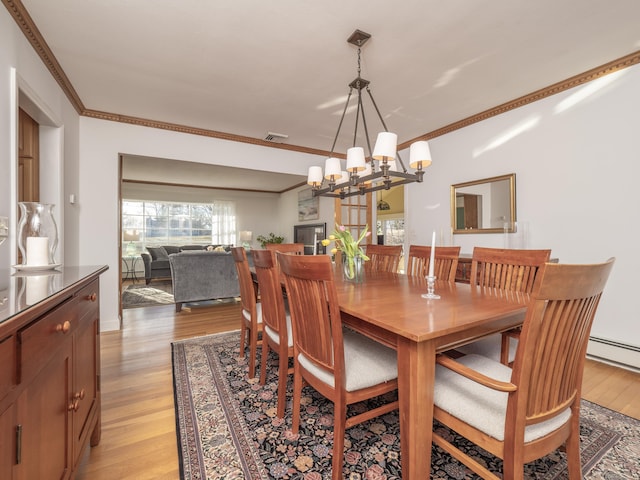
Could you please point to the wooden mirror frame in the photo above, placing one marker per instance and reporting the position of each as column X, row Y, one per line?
column 510, row 222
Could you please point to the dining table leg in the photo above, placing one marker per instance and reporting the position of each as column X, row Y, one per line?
column 416, row 374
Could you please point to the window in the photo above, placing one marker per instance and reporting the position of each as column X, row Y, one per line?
column 392, row 231
column 150, row 223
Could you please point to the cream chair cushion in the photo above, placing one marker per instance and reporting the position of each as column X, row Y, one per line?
column 483, row 407
column 490, row 347
column 367, row 363
column 273, row 335
column 247, row 315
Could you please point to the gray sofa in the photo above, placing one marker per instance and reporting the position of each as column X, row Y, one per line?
column 156, row 260
column 202, row 275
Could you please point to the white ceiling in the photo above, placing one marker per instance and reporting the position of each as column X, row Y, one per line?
column 249, row 67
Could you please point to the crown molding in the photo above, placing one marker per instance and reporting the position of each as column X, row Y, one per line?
column 594, row 73
column 174, row 127
column 37, row 41
column 33, row 35
column 208, row 187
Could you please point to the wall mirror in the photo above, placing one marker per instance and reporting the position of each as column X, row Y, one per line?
column 484, row 206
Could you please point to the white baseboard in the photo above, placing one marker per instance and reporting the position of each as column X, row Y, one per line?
column 614, row 353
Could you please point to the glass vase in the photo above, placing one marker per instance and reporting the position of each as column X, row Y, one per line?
column 37, row 234
column 353, row 269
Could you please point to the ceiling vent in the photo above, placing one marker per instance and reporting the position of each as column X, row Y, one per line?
column 276, row 137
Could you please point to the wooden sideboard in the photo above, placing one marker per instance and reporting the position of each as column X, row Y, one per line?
column 463, row 272
column 49, row 372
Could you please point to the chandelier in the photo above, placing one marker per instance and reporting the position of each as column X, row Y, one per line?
column 380, row 171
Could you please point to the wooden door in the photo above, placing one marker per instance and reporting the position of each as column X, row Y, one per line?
column 355, row 214
column 28, row 158
column 44, row 417
column 85, row 384
column 7, row 442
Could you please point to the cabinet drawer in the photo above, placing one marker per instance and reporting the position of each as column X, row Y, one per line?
column 7, row 364
column 40, row 340
column 87, row 300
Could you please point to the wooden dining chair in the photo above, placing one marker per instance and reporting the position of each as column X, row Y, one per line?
column 251, row 315
column 383, row 258
column 276, row 322
column 507, row 269
column 523, row 413
column 344, row 366
column 445, row 261
column 295, row 248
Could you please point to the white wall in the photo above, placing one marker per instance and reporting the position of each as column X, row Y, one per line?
column 101, row 142
column 576, row 174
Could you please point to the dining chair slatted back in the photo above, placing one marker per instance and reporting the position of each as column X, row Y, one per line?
column 383, row 258
column 541, row 409
column 507, row 269
column 276, row 323
column 445, row 261
column 295, row 248
column 251, row 315
column 321, row 347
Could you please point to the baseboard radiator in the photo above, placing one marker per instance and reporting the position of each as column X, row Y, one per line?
column 615, row 353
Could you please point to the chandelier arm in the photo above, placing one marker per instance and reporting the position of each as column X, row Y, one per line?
column 375, row 105
column 344, row 111
column 366, row 133
column 359, row 109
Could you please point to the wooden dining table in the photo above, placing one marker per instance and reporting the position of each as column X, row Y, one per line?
column 390, row 308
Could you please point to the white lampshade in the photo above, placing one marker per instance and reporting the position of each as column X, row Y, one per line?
column 386, row 145
column 315, row 176
column 419, row 155
column 245, row 236
column 332, row 167
column 355, row 159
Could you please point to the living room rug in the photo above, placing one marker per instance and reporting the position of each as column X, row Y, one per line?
column 227, row 428
column 147, row 295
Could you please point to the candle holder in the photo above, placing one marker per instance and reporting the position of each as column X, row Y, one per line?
column 431, row 280
column 37, row 236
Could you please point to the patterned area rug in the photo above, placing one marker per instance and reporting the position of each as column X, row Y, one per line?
column 142, row 295
column 227, row 428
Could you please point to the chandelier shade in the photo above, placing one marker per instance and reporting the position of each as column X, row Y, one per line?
column 383, row 168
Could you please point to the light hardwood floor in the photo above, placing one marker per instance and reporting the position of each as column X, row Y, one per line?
column 138, row 421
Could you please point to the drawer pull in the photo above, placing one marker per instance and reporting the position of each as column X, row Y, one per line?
column 92, row 297
column 63, row 327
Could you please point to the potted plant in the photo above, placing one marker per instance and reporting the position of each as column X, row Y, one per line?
column 271, row 238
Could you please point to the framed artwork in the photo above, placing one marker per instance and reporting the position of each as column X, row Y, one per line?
column 311, row 236
column 308, row 206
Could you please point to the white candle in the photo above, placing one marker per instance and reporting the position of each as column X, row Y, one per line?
column 433, row 253
column 38, row 251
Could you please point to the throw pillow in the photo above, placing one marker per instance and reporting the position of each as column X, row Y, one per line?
column 158, row 253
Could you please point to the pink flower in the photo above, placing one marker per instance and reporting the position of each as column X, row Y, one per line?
column 342, row 228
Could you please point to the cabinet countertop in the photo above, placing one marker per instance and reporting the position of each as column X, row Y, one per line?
column 24, row 291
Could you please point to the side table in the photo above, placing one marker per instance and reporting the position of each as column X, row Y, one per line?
column 130, row 262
